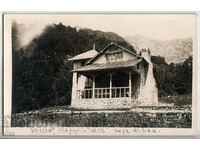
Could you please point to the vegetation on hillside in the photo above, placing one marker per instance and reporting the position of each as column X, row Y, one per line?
column 41, row 71
column 172, row 79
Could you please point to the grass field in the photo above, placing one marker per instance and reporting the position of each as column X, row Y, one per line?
column 165, row 116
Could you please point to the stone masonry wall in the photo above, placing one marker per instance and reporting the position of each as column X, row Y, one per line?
column 104, row 103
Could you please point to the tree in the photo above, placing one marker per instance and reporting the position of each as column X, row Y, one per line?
column 42, row 76
column 172, row 79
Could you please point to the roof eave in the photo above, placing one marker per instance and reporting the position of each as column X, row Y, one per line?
column 109, row 68
column 71, row 59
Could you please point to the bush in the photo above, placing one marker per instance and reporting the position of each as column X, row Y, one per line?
column 178, row 100
column 124, row 119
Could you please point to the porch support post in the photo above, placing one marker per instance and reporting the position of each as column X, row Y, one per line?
column 130, row 86
column 110, row 85
column 74, row 86
column 93, row 87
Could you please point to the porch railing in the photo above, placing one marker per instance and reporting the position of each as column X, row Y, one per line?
column 116, row 92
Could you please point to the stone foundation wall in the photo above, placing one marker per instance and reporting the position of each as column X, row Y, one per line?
column 104, row 103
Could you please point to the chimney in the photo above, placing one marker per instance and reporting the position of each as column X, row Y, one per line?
column 146, row 54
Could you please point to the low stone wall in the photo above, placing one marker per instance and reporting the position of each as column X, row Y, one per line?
column 104, row 103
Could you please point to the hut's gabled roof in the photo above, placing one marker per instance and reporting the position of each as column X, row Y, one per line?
column 106, row 48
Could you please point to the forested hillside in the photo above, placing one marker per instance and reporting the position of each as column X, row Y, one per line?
column 172, row 79
column 41, row 71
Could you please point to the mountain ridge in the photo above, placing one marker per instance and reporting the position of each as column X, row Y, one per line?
column 174, row 51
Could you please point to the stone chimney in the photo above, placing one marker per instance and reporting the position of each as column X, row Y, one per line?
column 149, row 91
column 146, row 54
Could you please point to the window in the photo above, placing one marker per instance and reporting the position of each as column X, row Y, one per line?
column 88, row 83
column 114, row 56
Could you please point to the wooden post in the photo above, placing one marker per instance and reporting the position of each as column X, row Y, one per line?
column 110, row 85
column 75, row 86
column 93, row 87
column 124, row 92
column 120, row 89
column 130, row 86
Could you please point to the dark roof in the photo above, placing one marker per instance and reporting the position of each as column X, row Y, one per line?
column 109, row 65
column 87, row 55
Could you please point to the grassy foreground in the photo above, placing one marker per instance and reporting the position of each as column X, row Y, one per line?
column 94, row 119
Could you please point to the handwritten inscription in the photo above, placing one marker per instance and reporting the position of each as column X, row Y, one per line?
column 93, row 131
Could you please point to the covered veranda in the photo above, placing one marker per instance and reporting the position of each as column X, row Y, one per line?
column 110, row 80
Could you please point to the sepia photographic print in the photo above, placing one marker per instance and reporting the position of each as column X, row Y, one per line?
column 104, row 74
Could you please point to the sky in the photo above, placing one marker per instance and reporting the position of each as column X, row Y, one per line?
column 156, row 26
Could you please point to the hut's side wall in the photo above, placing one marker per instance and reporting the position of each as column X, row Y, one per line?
column 78, row 82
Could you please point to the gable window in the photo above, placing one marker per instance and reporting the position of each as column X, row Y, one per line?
column 114, row 56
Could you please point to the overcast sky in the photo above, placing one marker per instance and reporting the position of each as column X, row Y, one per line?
column 161, row 27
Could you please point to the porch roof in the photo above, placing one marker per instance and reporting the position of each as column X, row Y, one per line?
column 108, row 65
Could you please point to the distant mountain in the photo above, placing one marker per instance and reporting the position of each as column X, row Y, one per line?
column 175, row 51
